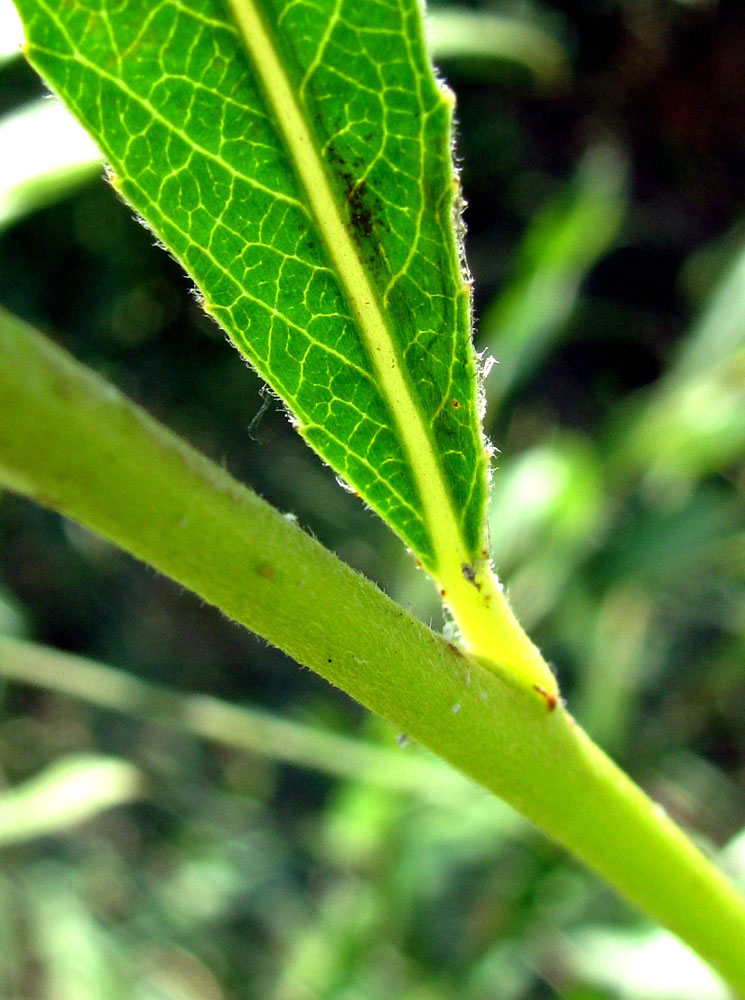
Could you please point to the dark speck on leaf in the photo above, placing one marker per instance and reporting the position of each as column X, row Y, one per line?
column 360, row 216
column 469, row 573
column 356, row 194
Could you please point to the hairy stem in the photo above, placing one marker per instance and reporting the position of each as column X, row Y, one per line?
column 76, row 445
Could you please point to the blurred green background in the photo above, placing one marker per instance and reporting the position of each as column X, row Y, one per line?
column 185, row 814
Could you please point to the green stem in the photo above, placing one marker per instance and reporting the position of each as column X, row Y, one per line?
column 76, row 445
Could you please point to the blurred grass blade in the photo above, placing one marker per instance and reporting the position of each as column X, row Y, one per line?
column 66, row 793
column 621, row 657
column 45, row 155
column 244, row 728
column 548, row 513
column 74, row 945
column 11, row 33
column 645, row 964
column 693, row 422
column 731, row 556
column 563, row 243
column 479, row 36
column 719, row 333
column 300, row 168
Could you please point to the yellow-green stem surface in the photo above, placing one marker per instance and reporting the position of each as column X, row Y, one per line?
column 77, row 446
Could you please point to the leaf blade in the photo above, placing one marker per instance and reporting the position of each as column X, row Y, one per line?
column 367, row 363
column 354, row 308
column 351, row 241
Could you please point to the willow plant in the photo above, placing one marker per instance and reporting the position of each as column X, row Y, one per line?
column 296, row 158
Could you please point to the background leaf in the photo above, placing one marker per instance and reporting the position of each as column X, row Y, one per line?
column 51, row 155
column 67, row 793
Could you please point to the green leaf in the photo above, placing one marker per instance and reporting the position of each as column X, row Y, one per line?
column 296, row 158
column 323, row 244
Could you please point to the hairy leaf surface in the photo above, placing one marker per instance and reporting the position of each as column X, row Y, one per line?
column 295, row 156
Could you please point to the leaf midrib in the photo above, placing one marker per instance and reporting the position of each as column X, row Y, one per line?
column 448, row 544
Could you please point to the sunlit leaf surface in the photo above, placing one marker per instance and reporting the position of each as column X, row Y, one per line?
column 300, row 168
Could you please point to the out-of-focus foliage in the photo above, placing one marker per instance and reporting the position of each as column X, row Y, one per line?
column 11, row 32
column 607, row 242
column 48, row 154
